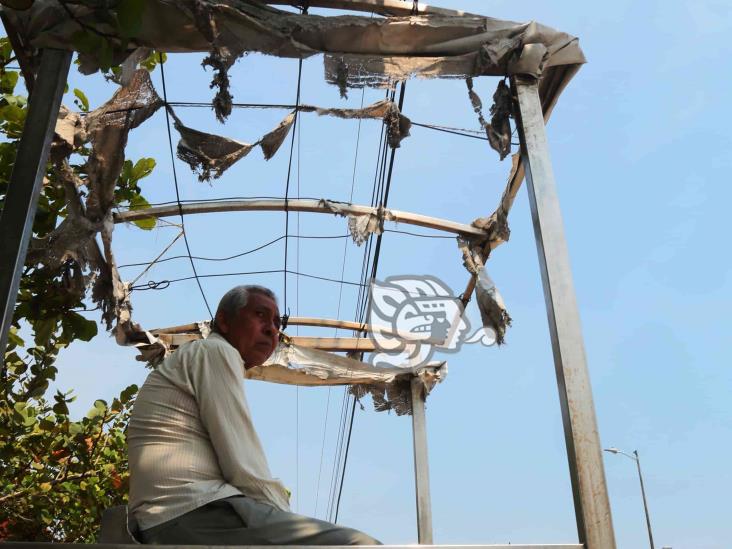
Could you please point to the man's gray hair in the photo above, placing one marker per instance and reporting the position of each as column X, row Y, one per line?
column 237, row 298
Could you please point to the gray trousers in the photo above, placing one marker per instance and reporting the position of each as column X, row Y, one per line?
column 239, row 520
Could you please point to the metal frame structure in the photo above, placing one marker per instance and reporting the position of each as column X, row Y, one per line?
column 299, row 205
column 592, row 508
column 21, row 201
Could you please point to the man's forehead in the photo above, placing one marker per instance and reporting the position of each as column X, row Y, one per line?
column 261, row 301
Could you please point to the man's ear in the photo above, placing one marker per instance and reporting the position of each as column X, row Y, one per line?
column 221, row 323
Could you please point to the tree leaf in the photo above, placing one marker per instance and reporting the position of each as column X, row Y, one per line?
column 43, row 330
column 83, row 329
column 8, row 80
column 83, row 102
column 138, row 202
column 14, row 338
column 126, row 395
column 143, row 168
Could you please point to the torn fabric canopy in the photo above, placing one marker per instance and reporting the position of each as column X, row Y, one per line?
column 390, row 387
column 359, row 50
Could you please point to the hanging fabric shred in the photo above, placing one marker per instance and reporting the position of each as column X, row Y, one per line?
column 272, row 141
column 490, row 303
column 397, row 124
column 493, row 312
column 207, row 154
column 210, row 155
column 499, row 129
column 360, row 225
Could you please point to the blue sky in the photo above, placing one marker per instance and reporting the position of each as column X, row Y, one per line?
column 640, row 147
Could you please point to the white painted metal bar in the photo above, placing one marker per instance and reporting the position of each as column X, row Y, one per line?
column 592, row 506
column 421, row 464
column 298, row 205
column 21, row 200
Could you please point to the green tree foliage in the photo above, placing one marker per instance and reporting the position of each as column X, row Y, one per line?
column 57, row 474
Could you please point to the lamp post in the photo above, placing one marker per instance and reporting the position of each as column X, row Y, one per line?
column 635, row 458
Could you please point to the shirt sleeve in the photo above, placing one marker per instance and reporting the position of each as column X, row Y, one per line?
column 219, row 391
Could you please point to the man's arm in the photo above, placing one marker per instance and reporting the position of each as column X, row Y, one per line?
column 219, row 391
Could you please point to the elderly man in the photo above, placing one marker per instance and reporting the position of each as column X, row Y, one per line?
column 198, row 474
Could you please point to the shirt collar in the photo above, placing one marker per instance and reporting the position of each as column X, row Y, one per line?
column 217, row 336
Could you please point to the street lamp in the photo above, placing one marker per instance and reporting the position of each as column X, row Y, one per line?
column 635, row 458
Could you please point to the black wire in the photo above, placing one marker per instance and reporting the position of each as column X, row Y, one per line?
column 177, row 192
column 271, row 242
column 395, row 231
column 167, row 282
column 345, row 460
column 289, row 171
column 381, row 151
column 445, row 130
column 382, row 203
column 235, row 105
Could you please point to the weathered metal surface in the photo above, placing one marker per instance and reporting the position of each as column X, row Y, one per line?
column 421, row 464
column 592, row 507
column 21, row 200
column 299, row 205
column 36, row 545
column 383, row 7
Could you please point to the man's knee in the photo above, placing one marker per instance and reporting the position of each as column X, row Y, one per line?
column 355, row 537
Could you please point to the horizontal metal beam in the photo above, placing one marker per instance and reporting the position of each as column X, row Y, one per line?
column 291, row 321
column 342, row 344
column 383, row 7
column 297, row 205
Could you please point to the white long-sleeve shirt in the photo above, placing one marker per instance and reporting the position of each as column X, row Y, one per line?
column 191, row 439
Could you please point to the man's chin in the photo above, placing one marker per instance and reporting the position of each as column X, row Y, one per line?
column 256, row 359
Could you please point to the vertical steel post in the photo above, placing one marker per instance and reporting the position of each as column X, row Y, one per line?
column 421, row 464
column 21, row 200
column 592, row 506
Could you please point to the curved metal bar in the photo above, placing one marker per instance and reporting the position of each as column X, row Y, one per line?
column 299, row 205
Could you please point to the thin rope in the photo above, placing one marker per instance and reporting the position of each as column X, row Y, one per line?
column 161, row 254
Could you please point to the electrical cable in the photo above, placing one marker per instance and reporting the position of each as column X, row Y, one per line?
column 244, row 273
column 177, row 191
column 270, row 243
column 289, row 171
column 382, row 204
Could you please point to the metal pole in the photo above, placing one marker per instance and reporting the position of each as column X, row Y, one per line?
column 645, row 503
column 421, row 465
column 591, row 502
column 21, row 200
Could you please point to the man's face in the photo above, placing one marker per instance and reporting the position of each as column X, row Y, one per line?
column 254, row 330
